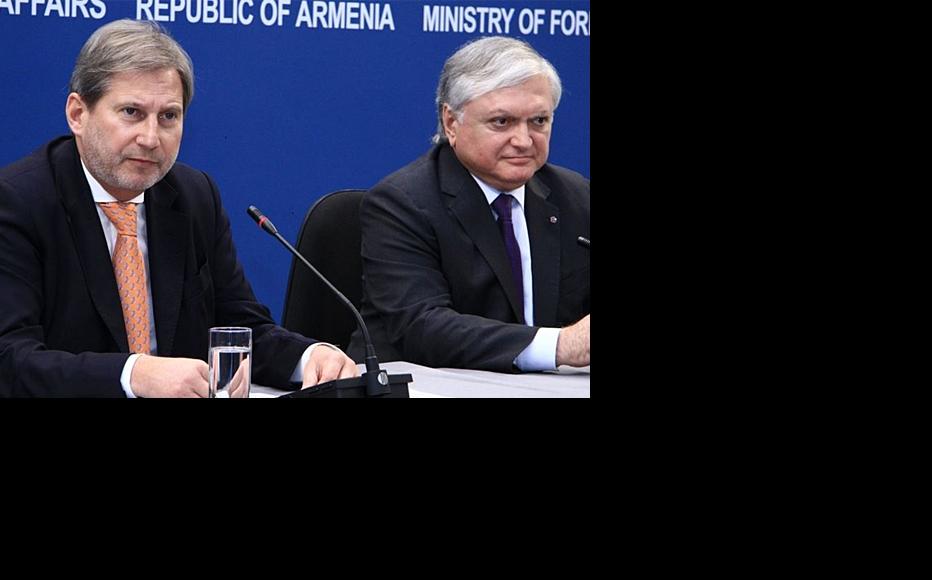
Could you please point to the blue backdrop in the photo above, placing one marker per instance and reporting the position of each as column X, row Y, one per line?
column 337, row 96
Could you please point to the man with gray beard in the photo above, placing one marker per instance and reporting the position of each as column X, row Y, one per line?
column 115, row 260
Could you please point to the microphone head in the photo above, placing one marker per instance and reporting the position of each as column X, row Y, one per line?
column 254, row 213
column 264, row 222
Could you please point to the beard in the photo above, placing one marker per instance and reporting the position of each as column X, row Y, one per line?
column 110, row 170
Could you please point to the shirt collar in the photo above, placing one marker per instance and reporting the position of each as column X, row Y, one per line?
column 100, row 194
column 491, row 193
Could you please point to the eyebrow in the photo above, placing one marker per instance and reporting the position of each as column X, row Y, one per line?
column 504, row 113
column 171, row 107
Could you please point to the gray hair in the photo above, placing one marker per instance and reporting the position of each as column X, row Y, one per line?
column 128, row 46
column 487, row 64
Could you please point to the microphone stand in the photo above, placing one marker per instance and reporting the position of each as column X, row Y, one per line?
column 377, row 382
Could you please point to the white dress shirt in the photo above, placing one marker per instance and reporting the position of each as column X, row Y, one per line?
column 541, row 354
column 110, row 232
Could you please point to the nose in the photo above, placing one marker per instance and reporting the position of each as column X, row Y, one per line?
column 521, row 137
column 148, row 135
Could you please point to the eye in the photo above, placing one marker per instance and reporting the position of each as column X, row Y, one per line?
column 499, row 122
column 541, row 121
column 170, row 116
column 130, row 111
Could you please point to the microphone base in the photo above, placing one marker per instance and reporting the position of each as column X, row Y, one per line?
column 354, row 388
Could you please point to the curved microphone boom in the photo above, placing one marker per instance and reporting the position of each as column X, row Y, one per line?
column 377, row 381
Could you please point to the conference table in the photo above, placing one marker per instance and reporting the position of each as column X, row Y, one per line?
column 565, row 382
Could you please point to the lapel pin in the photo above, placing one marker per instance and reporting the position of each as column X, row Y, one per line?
column 553, row 219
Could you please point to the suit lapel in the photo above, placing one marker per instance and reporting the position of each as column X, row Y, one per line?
column 168, row 240
column 543, row 224
column 89, row 241
column 468, row 204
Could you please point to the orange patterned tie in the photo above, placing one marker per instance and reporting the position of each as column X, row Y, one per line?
column 130, row 275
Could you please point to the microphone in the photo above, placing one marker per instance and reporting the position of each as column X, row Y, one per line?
column 377, row 381
column 584, row 242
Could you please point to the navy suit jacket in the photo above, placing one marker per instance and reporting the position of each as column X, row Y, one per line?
column 437, row 286
column 61, row 324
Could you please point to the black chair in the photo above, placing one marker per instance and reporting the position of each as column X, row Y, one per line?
column 330, row 239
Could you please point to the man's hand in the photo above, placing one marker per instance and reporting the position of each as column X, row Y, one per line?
column 155, row 376
column 573, row 344
column 326, row 364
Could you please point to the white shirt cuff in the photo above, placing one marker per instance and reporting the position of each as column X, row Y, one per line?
column 127, row 374
column 298, row 375
column 541, row 354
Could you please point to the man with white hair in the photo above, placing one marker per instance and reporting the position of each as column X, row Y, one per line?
column 470, row 253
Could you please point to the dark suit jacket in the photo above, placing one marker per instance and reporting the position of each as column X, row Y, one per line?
column 61, row 325
column 436, row 287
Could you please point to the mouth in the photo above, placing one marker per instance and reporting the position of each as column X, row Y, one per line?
column 142, row 160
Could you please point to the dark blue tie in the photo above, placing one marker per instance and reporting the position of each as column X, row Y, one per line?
column 502, row 205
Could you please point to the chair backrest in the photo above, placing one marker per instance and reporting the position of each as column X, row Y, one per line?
column 330, row 239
